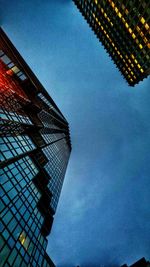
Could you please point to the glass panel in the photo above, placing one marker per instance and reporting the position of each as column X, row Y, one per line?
column 4, row 254
column 12, row 256
column 15, row 69
column 5, row 59
column 24, row 240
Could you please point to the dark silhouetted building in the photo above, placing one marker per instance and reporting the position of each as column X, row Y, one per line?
column 140, row 263
column 35, row 149
column 123, row 27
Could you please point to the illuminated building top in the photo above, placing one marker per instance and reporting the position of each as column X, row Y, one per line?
column 123, row 27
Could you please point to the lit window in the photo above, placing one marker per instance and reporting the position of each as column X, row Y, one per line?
column 112, row 4
column 140, row 46
column 15, row 69
column 141, row 70
column 119, row 15
column 148, row 45
column 123, row 20
column 127, row 25
column 133, row 36
column 24, row 240
column 142, row 20
column 116, row 9
column 10, row 72
column 130, row 30
column 145, row 40
column 132, row 56
column 146, row 26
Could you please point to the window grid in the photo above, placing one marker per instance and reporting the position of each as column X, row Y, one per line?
column 47, row 102
column 124, row 30
column 11, row 66
column 52, row 137
column 57, row 154
column 12, row 146
column 23, row 215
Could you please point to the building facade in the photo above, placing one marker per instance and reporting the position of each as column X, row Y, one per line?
column 140, row 263
column 123, row 27
column 35, row 149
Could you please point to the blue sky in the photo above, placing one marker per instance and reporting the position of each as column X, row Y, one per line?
column 103, row 214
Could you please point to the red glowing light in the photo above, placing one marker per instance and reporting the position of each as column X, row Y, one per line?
column 9, row 84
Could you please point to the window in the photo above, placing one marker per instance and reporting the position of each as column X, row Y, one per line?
column 15, row 69
column 5, row 59
column 24, row 240
column 15, row 145
column 142, row 20
column 18, row 260
column 12, row 67
column 14, row 116
column 4, row 253
column 12, row 256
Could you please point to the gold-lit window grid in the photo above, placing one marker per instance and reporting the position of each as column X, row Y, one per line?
column 120, row 15
column 127, row 68
column 104, row 13
column 129, row 65
column 137, row 63
column 144, row 38
column 142, row 20
column 146, row 25
column 130, row 74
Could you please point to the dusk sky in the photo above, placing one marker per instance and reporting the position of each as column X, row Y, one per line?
column 103, row 216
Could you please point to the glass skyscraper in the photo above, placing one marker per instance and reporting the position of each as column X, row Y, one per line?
column 123, row 27
column 35, row 149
